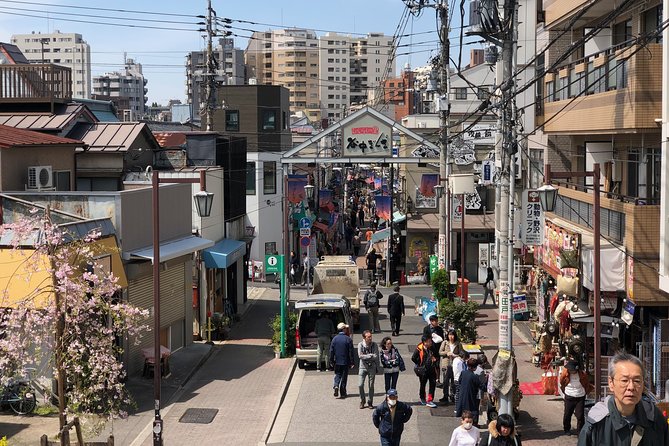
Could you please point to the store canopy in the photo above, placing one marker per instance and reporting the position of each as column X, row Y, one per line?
column 398, row 217
column 380, row 235
column 172, row 249
column 612, row 268
column 224, row 253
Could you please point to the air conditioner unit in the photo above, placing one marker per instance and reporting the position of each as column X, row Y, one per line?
column 40, row 177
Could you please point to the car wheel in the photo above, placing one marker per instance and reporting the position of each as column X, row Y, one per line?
column 301, row 363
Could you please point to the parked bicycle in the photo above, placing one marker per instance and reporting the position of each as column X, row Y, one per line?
column 19, row 395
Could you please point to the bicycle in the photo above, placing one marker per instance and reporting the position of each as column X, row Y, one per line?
column 19, row 395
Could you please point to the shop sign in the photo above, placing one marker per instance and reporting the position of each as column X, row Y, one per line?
column 480, row 134
column 556, row 239
column 484, row 261
column 532, row 219
column 367, row 136
column 456, row 208
column 504, row 314
column 630, row 277
column 434, row 265
column 627, row 314
column 487, row 172
column 519, row 304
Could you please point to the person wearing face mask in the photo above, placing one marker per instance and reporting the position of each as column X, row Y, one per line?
column 389, row 418
column 466, row 434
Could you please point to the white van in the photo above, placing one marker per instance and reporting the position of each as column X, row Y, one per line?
column 335, row 306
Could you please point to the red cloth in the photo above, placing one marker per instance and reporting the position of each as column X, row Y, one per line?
column 555, row 300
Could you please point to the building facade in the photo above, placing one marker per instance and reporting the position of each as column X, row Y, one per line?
column 65, row 49
column 126, row 89
column 229, row 70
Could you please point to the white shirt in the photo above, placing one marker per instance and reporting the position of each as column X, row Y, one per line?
column 574, row 388
column 464, row 437
column 458, row 364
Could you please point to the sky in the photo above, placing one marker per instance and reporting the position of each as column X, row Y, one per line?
column 162, row 49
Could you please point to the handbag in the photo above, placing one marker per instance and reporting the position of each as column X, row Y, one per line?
column 420, row 370
column 490, row 285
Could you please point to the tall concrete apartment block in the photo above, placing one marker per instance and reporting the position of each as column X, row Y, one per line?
column 126, row 89
column 66, row 49
column 290, row 58
column 230, row 70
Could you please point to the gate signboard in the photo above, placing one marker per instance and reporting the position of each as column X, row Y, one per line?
column 367, row 136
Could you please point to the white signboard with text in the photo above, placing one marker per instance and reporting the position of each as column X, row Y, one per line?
column 367, row 136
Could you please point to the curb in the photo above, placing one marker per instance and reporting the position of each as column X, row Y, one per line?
column 284, row 391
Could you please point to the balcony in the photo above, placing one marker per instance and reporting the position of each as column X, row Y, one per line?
column 35, row 83
column 559, row 11
column 617, row 91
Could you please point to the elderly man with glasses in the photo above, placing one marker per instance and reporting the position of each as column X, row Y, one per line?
column 625, row 419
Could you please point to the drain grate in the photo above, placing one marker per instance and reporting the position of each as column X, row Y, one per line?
column 199, row 416
column 443, row 411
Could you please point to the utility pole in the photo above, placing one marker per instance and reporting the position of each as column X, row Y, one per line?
column 506, row 200
column 210, row 85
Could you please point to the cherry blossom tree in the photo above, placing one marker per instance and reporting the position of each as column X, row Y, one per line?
column 75, row 320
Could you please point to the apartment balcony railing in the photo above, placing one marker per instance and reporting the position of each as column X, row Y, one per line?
column 35, row 83
column 615, row 91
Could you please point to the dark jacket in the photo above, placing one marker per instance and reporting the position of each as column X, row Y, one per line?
column 470, row 384
column 493, row 437
column 428, row 330
column 605, row 425
column 387, row 426
column 392, row 360
column 341, row 350
column 396, row 304
column 423, row 357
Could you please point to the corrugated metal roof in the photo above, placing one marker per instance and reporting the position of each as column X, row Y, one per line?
column 54, row 122
column 13, row 137
column 109, row 136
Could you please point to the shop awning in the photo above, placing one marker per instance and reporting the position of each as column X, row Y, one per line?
column 380, row 235
column 224, row 253
column 398, row 217
column 171, row 249
column 430, row 222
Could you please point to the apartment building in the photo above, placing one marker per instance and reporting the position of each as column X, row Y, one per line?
column 65, row 49
column 229, row 70
column 126, row 89
column 602, row 105
column 288, row 58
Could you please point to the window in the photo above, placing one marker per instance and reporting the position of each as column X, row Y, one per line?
column 62, row 180
column 269, row 120
column 536, row 168
column 250, row 178
column 482, row 94
column 269, row 177
column 232, row 120
column 460, row 93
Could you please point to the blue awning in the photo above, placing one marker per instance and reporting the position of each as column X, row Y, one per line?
column 380, row 235
column 224, row 253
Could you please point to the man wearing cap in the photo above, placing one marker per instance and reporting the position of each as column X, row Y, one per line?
column 341, row 357
column 574, row 384
column 389, row 418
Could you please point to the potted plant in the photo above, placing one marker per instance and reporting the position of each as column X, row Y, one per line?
column 275, row 325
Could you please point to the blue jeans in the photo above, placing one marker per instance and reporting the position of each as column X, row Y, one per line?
column 390, row 441
column 391, row 380
column 371, row 376
column 340, row 378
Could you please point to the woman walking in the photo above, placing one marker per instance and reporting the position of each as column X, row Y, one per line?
column 502, row 432
column 449, row 350
column 392, row 363
column 466, row 434
column 489, row 287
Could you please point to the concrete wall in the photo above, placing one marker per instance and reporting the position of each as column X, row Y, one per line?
column 15, row 163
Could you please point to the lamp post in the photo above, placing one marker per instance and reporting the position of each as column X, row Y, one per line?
column 203, row 203
column 547, row 197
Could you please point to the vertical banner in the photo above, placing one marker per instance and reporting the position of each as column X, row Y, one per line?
column 532, row 233
column 383, row 207
column 427, row 183
column 493, row 255
column 325, row 200
column 504, row 339
column 377, row 183
column 442, row 251
column 484, row 261
column 295, row 193
column 456, row 209
column 487, row 172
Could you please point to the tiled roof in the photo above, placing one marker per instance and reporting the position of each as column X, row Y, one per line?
column 13, row 137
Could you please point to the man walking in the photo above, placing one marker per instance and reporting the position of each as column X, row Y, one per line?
column 341, row 356
column 625, row 419
column 395, row 310
column 372, row 301
column 368, row 352
column 324, row 330
column 425, row 370
column 389, row 418
column 432, row 329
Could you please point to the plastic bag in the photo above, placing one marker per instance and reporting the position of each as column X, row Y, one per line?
column 549, row 383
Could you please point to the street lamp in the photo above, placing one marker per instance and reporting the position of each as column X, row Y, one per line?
column 439, row 191
column 309, row 191
column 547, row 197
column 203, row 203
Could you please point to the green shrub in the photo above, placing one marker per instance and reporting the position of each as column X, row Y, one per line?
column 440, row 284
column 291, row 324
column 460, row 316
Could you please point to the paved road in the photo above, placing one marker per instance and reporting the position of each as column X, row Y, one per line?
column 310, row 415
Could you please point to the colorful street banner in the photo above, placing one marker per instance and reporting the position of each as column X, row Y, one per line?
column 377, row 183
column 427, row 183
column 296, row 185
column 384, row 190
column 383, row 207
column 325, row 200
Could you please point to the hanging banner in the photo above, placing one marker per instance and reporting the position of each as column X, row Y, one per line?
column 377, row 183
column 427, row 183
column 325, row 200
column 295, row 193
column 383, row 207
column 456, row 208
column 484, row 261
